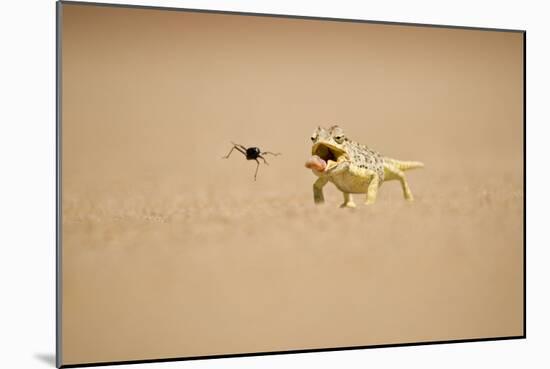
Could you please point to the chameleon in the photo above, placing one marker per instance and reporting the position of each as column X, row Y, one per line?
column 353, row 167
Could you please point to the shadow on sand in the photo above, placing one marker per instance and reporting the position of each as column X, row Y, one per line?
column 46, row 358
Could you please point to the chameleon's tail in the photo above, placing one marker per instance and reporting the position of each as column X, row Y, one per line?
column 405, row 165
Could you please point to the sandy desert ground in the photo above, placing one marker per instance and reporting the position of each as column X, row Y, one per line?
column 170, row 251
column 250, row 270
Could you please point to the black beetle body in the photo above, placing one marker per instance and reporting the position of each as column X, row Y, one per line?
column 253, row 153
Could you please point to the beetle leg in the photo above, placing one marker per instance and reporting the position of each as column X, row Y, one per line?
column 265, row 161
column 271, row 153
column 257, row 167
column 235, row 146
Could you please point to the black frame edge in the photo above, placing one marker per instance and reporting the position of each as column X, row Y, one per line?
column 286, row 352
column 525, row 184
column 287, row 16
column 58, row 234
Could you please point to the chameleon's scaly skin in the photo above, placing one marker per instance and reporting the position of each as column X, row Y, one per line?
column 353, row 167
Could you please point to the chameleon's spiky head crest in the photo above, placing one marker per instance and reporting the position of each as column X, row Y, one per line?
column 337, row 134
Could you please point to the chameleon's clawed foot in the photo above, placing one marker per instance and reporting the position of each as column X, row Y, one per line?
column 350, row 205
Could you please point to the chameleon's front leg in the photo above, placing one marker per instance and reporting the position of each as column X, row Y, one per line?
column 372, row 190
column 348, row 201
column 318, row 197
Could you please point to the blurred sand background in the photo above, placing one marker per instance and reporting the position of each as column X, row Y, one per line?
column 170, row 251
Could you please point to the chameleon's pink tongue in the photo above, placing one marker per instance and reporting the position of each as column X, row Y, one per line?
column 316, row 163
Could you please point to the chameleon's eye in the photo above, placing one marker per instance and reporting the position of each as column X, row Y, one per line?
column 339, row 138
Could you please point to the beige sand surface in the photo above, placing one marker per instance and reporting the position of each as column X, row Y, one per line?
column 170, row 251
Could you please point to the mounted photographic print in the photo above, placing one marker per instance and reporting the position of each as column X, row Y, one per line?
column 240, row 184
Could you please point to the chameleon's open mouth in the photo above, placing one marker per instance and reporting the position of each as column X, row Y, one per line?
column 325, row 157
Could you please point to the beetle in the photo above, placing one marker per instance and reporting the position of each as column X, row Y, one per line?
column 251, row 153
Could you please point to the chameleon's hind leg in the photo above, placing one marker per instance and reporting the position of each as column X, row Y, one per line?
column 395, row 173
column 348, row 201
column 407, row 194
column 372, row 190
